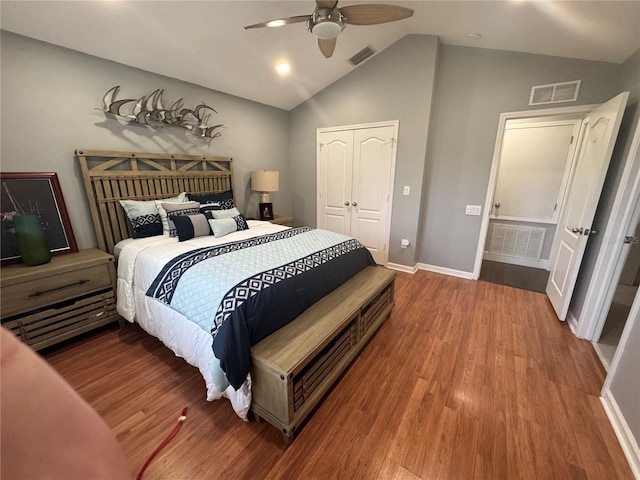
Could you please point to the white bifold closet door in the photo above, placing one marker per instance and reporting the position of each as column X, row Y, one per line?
column 355, row 180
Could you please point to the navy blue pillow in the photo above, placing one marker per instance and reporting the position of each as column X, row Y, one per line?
column 224, row 199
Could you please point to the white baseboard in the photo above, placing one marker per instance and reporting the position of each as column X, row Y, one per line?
column 623, row 432
column 603, row 359
column 446, row 271
column 402, row 268
column 572, row 321
column 523, row 262
column 430, row 268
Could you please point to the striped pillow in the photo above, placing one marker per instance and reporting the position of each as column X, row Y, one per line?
column 170, row 210
column 191, row 226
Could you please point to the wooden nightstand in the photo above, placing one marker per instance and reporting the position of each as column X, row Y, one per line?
column 288, row 221
column 72, row 294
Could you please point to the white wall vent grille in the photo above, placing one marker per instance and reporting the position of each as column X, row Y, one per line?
column 517, row 241
column 555, row 93
column 361, row 56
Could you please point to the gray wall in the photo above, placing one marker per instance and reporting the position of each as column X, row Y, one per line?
column 49, row 98
column 629, row 80
column 396, row 84
column 473, row 87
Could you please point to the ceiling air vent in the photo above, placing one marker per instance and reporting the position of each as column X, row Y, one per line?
column 555, row 93
column 361, row 56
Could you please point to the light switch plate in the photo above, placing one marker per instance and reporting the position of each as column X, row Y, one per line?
column 406, row 190
column 472, row 210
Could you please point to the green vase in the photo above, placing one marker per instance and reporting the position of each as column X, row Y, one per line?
column 31, row 240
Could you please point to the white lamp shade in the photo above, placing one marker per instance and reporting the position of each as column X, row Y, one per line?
column 265, row 180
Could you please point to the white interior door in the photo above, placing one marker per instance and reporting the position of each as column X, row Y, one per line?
column 372, row 160
column 335, row 167
column 595, row 149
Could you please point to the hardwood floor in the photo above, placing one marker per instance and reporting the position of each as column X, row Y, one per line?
column 466, row 379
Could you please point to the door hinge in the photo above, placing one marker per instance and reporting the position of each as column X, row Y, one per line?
column 571, row 141
column 555, row 207
column 632, row 240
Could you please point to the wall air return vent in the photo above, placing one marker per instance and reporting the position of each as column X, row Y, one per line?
column 555, row 93
column 517, row 241
column 361, row 56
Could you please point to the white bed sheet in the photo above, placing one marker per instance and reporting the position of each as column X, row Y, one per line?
column 139, row 262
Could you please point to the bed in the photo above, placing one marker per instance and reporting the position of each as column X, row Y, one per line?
column 236, row 328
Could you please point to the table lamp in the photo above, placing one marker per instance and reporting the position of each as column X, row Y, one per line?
column 265, row 181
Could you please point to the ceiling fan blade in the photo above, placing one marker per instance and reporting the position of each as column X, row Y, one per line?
column 330, row 4
column 373, row 14
column 279, row 22
column 327, row 46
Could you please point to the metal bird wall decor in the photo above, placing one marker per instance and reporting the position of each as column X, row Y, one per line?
column 150, row 111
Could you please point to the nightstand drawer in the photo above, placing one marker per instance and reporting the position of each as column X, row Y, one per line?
column 46, row 327
column 40, row 292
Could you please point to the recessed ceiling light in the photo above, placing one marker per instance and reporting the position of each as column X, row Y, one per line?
column 473, row 36
column 283, row 68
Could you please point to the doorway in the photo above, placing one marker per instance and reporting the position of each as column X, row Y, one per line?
column 624, row 292
column 593, row 150
column 534, row 162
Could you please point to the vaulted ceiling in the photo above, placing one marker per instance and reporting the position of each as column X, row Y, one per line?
column 204, row 42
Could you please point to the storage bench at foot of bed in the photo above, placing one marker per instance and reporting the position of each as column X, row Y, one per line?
column 294, row 367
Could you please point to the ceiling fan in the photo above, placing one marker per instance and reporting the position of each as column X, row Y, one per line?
column 327, row 21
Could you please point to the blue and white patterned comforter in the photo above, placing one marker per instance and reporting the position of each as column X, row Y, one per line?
column 245, row 290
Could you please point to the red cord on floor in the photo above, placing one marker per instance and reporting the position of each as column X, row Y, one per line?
column 164, row 443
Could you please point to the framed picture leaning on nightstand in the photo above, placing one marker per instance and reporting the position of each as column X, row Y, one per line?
column 36, row 194
column 266, row 211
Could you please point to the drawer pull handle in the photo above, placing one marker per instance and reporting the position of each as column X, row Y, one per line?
column 37, row 293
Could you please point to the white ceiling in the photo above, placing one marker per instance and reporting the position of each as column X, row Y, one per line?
column 203, row 42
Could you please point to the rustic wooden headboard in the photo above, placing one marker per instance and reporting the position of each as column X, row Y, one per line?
column 111, row 176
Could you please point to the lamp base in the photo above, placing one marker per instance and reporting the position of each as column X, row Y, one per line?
column 265, row 197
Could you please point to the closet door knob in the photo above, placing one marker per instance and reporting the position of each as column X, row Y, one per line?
column 346, row 204
column 355, row 204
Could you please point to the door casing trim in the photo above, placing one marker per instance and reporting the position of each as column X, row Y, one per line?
column 582, row 110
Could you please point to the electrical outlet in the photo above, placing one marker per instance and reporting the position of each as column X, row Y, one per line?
column 472, row 210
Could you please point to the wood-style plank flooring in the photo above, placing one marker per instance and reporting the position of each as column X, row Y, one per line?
column 466, row 379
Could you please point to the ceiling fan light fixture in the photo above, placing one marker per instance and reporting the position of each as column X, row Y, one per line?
column 327, row 30
column 326, row 25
